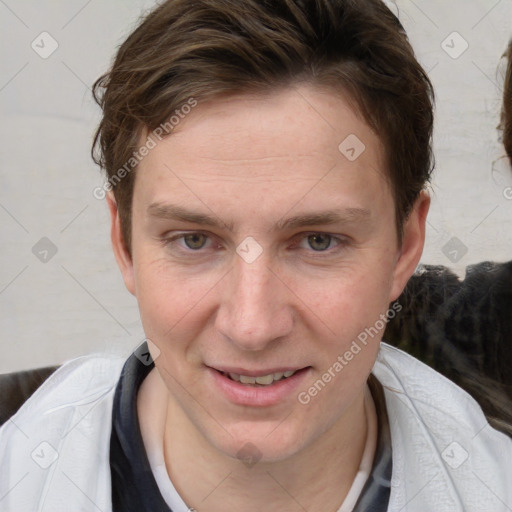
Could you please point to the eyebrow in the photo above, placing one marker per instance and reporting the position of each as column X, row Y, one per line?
column 345, row 216
column 173, row 212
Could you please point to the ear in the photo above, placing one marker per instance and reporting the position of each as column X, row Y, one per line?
column 123, row 258
column 412, row 245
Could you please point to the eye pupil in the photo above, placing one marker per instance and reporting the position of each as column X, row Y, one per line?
column 319, row 242
column 195, row 240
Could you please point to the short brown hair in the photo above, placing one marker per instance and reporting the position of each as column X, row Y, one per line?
column 210, row 48
column 506, row 111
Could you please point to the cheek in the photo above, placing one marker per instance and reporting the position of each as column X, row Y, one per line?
column 346, row 303
column 352, row 309
column 168, row 300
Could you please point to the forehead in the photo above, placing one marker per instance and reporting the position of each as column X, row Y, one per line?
column 300, row 135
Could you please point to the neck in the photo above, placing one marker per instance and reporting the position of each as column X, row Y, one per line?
column 317, row 477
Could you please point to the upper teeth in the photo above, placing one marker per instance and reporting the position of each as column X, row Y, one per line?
column 262, row 379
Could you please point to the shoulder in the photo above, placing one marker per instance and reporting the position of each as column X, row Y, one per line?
column 404, row 373
column 80, row 379
column 441, row 440
column 61, row 435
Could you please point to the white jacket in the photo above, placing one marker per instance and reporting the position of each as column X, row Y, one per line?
column 54, row 453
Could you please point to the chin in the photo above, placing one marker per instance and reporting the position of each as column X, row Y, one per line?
column 263, row 443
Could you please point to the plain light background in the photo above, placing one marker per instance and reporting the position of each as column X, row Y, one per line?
column 75, row 302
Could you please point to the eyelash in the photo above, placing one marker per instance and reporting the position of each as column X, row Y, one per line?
column 339, row 241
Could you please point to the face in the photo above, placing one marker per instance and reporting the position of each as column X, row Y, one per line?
column 259, row 247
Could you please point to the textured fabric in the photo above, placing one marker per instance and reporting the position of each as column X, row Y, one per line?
column 445, row 455
column 54, row 450
column 376, row 492
column 133, row 484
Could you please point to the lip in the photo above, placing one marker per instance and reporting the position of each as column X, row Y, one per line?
column 242, row 394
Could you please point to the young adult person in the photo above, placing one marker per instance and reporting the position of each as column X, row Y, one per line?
column 266, row 166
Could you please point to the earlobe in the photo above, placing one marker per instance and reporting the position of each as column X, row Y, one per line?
column 412, row 244
column 123, row 257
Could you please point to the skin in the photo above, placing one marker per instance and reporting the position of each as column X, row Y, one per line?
column 251, row 163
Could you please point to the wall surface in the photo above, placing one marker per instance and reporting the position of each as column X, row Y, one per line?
column 61, row 294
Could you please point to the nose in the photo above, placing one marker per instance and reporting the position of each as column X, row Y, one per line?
column 255, row 308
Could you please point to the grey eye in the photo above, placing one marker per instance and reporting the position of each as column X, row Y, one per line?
column 195, row 240
column 319, row 242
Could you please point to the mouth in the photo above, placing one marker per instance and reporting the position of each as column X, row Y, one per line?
column 258, row 388
column 260, row 380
